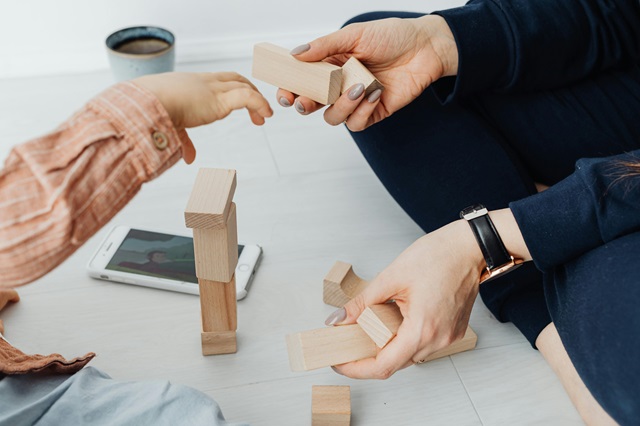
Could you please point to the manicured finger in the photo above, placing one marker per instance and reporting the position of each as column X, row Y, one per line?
column 306, row 106
column 340, row 111
column 364, row 114
column 285, row 98
column 341, row 41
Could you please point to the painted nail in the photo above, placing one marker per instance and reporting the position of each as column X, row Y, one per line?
column 336, row 317
column 356, row 91
column 284, row 102
column 374, row 95
column 299, row 107
column 300, row 49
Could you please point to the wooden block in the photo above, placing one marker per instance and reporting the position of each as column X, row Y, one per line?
column 210, row 199
column 218, row 342
column 353, row 72
column 341, row 284
column 216, row 250
column 330, row 405
column 320, row 81
column 329, row 346
column 381, row 322
column 218, row 305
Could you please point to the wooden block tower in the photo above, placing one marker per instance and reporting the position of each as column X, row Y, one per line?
column 211, row 214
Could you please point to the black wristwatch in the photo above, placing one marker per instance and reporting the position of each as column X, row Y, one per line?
column 498, row 259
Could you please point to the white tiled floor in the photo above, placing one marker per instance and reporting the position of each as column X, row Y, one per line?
column 305, row 194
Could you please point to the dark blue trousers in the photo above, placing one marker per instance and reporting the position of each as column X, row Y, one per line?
column 436, row 159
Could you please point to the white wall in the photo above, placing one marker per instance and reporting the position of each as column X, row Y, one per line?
column 39, row 37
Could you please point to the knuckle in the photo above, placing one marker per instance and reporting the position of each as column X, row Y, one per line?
column 383, row 373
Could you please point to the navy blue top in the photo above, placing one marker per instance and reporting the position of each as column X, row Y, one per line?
column 516, row 46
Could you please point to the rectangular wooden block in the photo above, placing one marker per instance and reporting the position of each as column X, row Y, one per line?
column 218, row 305
column 319, row 81
column 210, row 199
column 217, row 343
column 216, row 250
column 381, row 322
column 330, row 405
column 353, row 72
column 329, row 346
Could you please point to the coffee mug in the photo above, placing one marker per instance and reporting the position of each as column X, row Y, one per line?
column 138, row 51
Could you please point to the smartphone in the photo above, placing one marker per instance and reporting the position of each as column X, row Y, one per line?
column 160, row 260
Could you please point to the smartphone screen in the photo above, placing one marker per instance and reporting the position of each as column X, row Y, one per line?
column 157, row 255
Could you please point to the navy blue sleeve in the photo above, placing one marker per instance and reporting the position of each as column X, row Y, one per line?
column 521, row 45
column 596, row 204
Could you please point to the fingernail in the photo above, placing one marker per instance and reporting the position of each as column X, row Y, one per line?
column 356, row 91
column 336, row 370
column 374, row 95
column 336, row 317
column 299, row 107
column 284, row 102
column 300, row 49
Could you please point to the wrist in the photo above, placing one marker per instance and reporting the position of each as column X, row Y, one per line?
column 442, row 41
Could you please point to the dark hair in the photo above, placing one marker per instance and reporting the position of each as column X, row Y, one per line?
column 151, row 253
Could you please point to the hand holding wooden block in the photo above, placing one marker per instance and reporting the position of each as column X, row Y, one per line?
column 330, row 406
column 340, row 344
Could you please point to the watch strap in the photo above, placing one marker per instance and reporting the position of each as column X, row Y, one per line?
column 491, row 245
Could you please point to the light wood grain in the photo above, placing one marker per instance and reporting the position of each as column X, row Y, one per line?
column 216, row 250
column 218, row 342
column 353, row 72
column 218, row 305
column 320, row 81
column 341, row 284
column 381, row 322
column 210, row 199
column 330, row 405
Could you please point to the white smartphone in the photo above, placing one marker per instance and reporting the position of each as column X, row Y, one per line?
column 160, row 260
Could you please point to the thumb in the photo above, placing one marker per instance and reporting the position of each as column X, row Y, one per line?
column 375, row 293
column 339, row 42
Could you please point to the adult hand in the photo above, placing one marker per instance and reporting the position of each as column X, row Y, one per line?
column 405, row 55
column 195, row 99
column 434, row 283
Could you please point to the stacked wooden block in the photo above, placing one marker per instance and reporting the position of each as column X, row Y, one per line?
column 321, row 81
column 211, row 214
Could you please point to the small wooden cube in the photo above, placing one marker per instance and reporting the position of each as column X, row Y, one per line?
column 330, row 406
column 353, row 72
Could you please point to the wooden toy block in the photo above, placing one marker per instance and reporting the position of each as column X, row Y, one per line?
column 353, row 72
column 341, row 284
column 218, row 305
column 330, row 405
column 381, row 322
column 218, row 342
column 210, row 199
column 319, row 81
column 329, row 346
column 216, row 249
